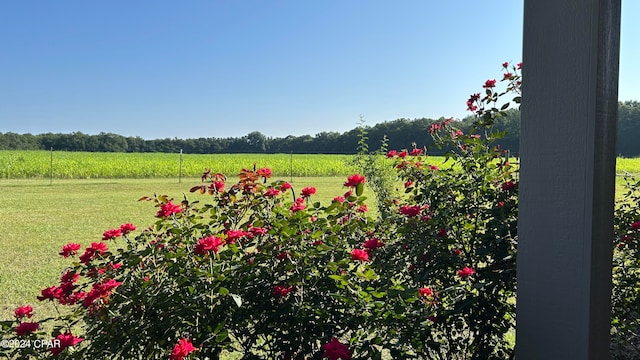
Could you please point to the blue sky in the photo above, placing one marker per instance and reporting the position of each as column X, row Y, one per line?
column 186, row 69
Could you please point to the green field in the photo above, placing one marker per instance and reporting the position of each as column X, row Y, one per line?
column 84, row 165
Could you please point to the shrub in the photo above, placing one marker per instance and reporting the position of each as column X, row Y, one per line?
column 625, row 300
column 258, row 268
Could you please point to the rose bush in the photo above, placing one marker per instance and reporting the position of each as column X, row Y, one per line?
column 625, row 329
column 256, row 268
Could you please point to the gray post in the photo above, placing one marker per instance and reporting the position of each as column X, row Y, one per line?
column 180, row 171
column 51, row 168
column 569, row 105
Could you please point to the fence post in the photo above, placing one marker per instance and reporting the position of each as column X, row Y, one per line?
column 180, row 171
column 51, row 168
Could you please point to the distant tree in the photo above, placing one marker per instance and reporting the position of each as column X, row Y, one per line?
column 628, row 142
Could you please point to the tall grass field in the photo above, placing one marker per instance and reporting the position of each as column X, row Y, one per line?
column 85, row 165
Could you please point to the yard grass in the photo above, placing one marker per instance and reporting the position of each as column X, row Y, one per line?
column 37, row 219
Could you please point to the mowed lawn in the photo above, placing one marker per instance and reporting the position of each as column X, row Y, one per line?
column 37, row 219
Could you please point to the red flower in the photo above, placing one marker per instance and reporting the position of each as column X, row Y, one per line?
column 317, row 243
column 391, row 153
column 285, row 186
column 403, row 154
column 441, row 233
column 69, row 276
column 308, row 191
column 425, row 291
column 168, row 209
column 509, row 185
column 271, row 192
column 519, row 66
column 256, row 230
column 216, row 186
column 22, row 311
column 335, row 350
column 100, row 290
column 635, row 225
column 127, row 228
column 210, row 243
column 281, row 291
column 433, row 167
column 456, row 252
column 50, row 293
column 26, row 327
column 182, row 349
column 339, row 199
column 69, row 249
column 354, row 180
column 359, row 255
column 507, row 76
column 100, row 248
column 505, row 64
column 466, row 272
column 416, row 152
column 298, row 205
column 233, row 235
column 408, row 183
column 410, row 211
column 372, row 244
column 489, row 84
column 64, row 341
column 111, row 234
column 264, row 172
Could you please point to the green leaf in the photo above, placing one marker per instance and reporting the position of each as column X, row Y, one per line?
column 359, row 189
column 223, row 291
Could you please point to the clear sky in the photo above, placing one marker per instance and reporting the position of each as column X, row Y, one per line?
column 186, row 69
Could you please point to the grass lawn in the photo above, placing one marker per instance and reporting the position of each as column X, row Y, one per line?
column 38, row 218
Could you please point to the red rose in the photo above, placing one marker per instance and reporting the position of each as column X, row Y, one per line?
column 335, row 350
column 22, row 311
column 26, row 327
column 509, row 185
column 359, row 255
column 111, row 234
column 272, row 192
column 210, row 243
column 373, row 243
column 168, row 209
column 64, row 341
column 466, row 272
column 489, row 84
column 281, row 291
column 298, row 205
column 354, row 180
column 308, row 191
column 69, row 249
column 182, row 349
column 410, row 211
column 425, row 291
column 127, row 228
column 264, row 172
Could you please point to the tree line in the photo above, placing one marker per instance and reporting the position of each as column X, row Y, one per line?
column 400, row 134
